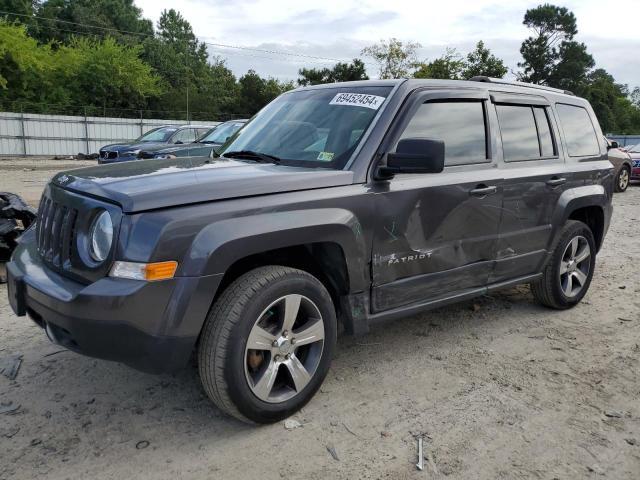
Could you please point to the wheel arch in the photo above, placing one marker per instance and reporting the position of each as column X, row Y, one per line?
column 590, row 204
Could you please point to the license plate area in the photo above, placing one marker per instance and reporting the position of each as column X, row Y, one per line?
column 16, row 291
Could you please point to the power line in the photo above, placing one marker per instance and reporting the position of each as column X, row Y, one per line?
column 146, row 35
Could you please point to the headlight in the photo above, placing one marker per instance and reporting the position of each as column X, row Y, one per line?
column 101, row 236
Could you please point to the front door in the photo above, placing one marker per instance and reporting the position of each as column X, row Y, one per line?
column 436, row 234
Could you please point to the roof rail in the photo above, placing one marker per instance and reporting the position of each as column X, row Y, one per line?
column 500, row 81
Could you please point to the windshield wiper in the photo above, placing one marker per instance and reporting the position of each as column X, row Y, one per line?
column 251, row 155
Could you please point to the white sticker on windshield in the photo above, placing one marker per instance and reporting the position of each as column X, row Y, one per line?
column 358, row 100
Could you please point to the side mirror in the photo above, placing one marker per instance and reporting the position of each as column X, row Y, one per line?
column 613, row 144
column 414, row 155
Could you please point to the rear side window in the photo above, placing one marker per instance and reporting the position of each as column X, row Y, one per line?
column 519, row 133
column 460, row 125
column 578, row 130
column 526, row 132
column 544, row 132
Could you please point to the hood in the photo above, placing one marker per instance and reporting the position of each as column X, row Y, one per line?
column 151, row 184
column 181, row 147
column 126, row 147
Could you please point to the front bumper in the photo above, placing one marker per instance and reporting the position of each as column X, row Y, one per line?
column 150, row 326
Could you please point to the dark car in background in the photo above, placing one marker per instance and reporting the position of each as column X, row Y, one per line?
column 202, row 147
column 621, row 161
column 155, row 139
column 634, row 153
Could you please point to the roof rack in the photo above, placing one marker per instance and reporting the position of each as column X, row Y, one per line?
column 500, row 81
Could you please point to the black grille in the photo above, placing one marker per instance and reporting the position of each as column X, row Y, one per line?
column 55, row 231
column 107, row 154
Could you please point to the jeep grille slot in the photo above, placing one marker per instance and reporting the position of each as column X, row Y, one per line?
column 55, row 229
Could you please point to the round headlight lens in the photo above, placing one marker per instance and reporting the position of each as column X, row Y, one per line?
column 101, row 237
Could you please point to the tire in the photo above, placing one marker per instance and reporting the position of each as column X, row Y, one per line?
column 553, row 289
column 622, row 179
column 251, row 312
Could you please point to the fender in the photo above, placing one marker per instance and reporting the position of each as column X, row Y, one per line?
column 571, row 200
column 217, row 246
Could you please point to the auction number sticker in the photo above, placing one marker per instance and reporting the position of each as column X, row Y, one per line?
column 358, row 100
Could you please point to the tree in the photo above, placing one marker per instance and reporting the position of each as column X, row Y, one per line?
column 341, row 72
column 447, row 67
column 106, row 73
column 610, row 101
column 395, row 58
column 481, row 62
column 551, row 56
column 86, row 72
column 70, row 18
column 255, row 92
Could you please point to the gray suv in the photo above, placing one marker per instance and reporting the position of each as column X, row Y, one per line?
column 349, row 203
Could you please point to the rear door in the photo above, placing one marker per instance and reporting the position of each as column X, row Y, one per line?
column 534, row 178
column 436, row 234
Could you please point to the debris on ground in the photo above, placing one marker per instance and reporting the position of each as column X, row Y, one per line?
column 9, row 366
column 8, row 407
column 291, row 424
column 613, row 414
column 332, row 450
column 15, row 218
column 142, row 444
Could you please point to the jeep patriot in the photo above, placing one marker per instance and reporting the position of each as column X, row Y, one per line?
column 349, row 202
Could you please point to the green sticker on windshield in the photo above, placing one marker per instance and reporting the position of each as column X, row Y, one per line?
column 325, row 156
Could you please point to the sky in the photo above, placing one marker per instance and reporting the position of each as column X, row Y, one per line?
column 339, row 29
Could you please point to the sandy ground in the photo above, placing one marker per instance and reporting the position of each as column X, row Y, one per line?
column 500, row 388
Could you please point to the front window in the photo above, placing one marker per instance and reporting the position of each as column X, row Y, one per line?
column 161, row 134
column 634, row 148
column 314, row 128
column 221, row 133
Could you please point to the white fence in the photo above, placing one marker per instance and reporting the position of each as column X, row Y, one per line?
column 33, row 134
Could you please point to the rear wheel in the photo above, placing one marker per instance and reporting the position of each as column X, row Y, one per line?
column 623, row 178
column 567, row 276
column 267, row 344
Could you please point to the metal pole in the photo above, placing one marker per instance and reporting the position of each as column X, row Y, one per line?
column 24, row 138
column 86, row 130
column 141, row 124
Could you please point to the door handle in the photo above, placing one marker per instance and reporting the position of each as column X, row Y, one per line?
column 482, row 190
column 556, row 181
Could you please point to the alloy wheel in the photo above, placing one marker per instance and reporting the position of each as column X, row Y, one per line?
column 575, row 266
column 284, row 348
column 623, row 179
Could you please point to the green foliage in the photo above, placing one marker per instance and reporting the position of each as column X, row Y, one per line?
column 86, row 72
column 447, row 67
column 108, row 15
column 616, row 111
column 341, row 72
column 551, row 56
column 481, row 62
column 256, row 92
column 395, row 58
column 452, row 66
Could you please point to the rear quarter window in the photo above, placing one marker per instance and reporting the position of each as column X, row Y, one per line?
column 579, row 133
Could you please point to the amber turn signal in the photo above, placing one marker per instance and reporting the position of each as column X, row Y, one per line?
column 144, row 271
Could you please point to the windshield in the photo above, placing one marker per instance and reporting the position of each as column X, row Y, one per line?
column 315, row 128
column 634, row 148
column 221, row 132
column 161, row 134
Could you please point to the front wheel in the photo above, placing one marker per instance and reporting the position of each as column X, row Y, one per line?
column 623, row 178
column 567, row 275
column 267, row 344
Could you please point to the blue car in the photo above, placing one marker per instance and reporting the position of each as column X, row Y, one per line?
column 156, row 139
column 203, row 147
